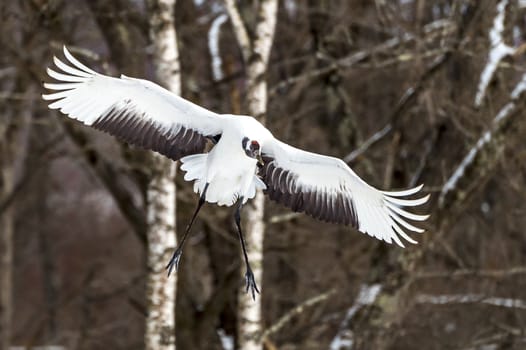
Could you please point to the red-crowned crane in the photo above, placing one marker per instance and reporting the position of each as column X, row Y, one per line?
column 245, row 157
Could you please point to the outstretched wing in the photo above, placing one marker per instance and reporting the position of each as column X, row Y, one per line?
column 137, row 111
column 327, row 189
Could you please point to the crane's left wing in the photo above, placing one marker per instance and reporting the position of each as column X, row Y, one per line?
column 327, row 189
column 135, row 110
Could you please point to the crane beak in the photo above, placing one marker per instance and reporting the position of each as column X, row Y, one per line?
column 261, row 163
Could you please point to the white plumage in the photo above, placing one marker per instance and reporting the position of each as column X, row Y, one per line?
column 143, row 113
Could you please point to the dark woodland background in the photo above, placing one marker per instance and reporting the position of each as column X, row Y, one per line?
column 341, row 72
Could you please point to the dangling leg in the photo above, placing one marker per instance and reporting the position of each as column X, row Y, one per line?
column 174, row 261
column 249, row 276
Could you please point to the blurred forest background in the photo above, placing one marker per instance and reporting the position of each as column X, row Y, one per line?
column 406, row 91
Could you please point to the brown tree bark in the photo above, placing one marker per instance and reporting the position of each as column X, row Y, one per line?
column 13, row 149
column 6, row 244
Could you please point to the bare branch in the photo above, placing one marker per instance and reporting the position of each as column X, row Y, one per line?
column 366, row 296
column 43, row 157
column 81, row 51
column 498, row 51
column 298, row 310
column 446, row 27
column 18, row 96
column 106, row 172
column 445, row 299
column 519, row 270
column 239, row 29
column 377, row 136
column 485, row 141
column 409, row 95
column 285, row 217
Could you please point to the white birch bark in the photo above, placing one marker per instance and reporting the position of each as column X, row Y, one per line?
column 213, row 46
column 161, row 290
column 250, row 323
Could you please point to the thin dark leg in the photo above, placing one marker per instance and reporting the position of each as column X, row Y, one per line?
column 249, row 276
column 174, row 261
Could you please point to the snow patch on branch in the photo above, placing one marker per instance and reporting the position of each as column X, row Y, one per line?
column 227, row 341
column 497, row 52
column 452, row 182
column 213, row 46
column 291, row 7
column 519, row 88
column 445, row 299
column 344, row 337
column 486, row 137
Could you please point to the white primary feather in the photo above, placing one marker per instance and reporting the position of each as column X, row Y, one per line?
column 85, row 95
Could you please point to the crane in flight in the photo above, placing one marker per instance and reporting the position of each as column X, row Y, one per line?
column 245, row 156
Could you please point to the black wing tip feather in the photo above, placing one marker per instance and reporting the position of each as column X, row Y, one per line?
column 282, row 188
column 135, row 128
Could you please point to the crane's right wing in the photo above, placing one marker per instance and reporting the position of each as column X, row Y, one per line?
column 327, row 189
column 137, row 111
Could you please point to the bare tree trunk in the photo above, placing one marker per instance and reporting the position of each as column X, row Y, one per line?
column 250, row 325
column 14, row 140
column 161, row 290
column 6, row 246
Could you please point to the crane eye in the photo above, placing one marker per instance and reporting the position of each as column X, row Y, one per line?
column 251, row 148
column 244, row 142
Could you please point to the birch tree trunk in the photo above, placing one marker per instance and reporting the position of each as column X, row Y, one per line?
column 161, row 290
column 249, row 324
